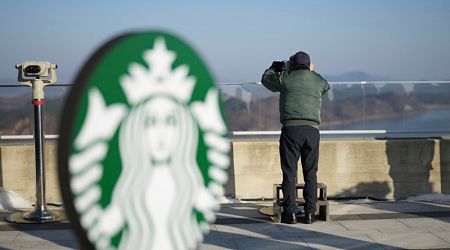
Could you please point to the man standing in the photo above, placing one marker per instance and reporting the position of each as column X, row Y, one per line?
column 301, row 90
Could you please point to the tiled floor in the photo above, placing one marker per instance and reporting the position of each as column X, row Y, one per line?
column 371, row 225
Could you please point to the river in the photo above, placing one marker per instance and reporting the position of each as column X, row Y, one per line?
column 429, row 121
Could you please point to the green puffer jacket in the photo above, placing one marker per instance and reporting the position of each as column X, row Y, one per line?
column 301, row 94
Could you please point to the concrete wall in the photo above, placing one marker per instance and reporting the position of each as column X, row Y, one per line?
column 18, row 170
column 377, row 168
column 350, row 168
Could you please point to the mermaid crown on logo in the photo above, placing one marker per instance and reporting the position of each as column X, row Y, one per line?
column 159, row 78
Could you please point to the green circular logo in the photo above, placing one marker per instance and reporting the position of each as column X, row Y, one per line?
column 143, row 152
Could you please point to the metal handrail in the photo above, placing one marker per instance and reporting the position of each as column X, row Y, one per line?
column 22, row 85
column 25, row 137
column 351, row 82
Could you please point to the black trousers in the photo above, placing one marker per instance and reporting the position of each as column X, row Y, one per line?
column 295, row 142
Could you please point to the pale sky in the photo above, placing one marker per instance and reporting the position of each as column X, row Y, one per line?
column 399, row 39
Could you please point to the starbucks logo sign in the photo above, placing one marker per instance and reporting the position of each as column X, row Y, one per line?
column 143, row 150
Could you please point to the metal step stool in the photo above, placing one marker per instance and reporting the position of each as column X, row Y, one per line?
column 322, row 206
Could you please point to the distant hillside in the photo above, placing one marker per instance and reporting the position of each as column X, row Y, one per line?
column 16, row 113
column 356, row 76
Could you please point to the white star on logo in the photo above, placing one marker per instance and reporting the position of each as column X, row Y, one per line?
column 160, row 59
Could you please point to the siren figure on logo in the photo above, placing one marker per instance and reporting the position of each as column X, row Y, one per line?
column 161, row 191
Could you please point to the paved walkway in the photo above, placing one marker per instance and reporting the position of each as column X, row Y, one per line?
column 368, row 225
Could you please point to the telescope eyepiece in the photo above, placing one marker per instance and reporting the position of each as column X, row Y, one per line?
column 32, row 69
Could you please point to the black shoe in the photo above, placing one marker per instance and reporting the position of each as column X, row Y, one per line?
column 288, row 218
column 309, row 217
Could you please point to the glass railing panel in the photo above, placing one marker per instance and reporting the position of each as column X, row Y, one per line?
column 343, row 107
column 55, row 97
column 388, row 106
column 407, row 107
column 16, row 110
column 250, row 107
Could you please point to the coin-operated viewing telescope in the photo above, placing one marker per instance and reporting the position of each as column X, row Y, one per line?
column 37, row 74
